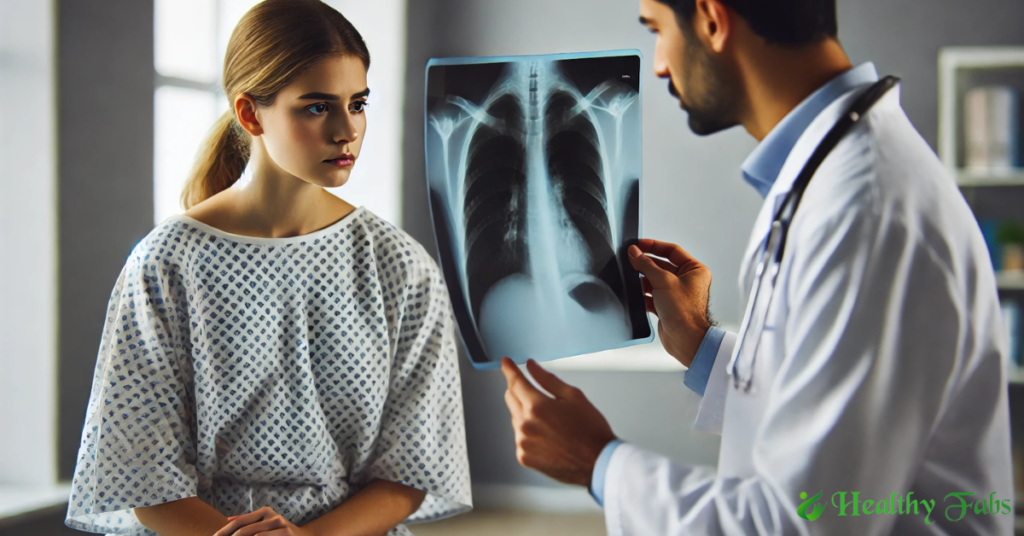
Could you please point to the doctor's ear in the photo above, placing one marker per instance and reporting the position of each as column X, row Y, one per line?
column 713, row 23
column 245, row 113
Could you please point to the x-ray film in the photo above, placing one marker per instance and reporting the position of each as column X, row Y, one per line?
column 533, row 176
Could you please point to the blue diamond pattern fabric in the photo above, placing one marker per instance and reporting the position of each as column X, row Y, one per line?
column 281, row 372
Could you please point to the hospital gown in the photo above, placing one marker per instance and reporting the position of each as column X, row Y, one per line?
column 281, row 372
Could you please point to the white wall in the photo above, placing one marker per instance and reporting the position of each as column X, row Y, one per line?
column 28, row 244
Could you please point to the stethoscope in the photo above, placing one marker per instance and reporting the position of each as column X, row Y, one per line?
column 741, row 366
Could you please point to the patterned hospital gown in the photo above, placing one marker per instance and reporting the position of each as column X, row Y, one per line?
column 281, row 372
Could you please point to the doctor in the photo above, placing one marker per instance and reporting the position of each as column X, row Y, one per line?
column 869, row 361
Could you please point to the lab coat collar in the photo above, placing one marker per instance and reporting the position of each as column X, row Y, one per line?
column 800, row 154
column 763, row 165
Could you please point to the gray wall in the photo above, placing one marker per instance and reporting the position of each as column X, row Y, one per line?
column 105, row 162
column 903, row 38
column 692, row 191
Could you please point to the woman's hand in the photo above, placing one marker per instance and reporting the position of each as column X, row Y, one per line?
column 264, row 522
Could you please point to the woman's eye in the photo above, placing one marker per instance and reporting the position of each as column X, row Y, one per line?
column 318, row 109
column 359, row 106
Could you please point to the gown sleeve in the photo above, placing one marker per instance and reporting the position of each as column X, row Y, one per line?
column 422, row 441
column 138, row 440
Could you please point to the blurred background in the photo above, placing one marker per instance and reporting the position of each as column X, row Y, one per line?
column 103, row 104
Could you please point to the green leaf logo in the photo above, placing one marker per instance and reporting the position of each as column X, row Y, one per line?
column 802, row 509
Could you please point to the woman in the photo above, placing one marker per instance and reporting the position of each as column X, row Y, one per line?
column 276, row 354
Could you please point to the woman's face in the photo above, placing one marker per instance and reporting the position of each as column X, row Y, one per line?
column 315, row 127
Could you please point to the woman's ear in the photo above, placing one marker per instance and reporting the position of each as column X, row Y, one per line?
column 245, row 113
column 713, row 22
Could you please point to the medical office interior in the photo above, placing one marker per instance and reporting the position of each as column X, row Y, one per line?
column 104, row 102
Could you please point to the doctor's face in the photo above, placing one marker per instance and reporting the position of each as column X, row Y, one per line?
column 706, row 86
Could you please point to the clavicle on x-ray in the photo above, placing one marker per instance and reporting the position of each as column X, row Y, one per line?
column 533, row 172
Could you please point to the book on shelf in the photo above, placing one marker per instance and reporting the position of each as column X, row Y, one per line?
column 992, row 131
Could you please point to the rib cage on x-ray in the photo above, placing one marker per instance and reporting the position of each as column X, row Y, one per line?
column 539, row 191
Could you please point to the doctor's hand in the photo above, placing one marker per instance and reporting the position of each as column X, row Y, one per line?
column 561, row 437
column 676, row 289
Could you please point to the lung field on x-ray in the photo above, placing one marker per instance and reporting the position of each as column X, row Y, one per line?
column 575, row 169
column 494, row 209
column 536, row 165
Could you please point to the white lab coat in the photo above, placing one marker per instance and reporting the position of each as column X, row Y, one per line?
column 879, row 370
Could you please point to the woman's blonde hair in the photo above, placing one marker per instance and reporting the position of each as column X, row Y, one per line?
column 274, row 42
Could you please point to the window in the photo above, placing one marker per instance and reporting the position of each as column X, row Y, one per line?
column 29, row 266
column 191, row 37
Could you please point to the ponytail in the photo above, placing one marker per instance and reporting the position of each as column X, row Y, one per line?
column 221, row 161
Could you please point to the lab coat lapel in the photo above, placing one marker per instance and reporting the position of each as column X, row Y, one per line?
column 801, row 152
column 744, row 410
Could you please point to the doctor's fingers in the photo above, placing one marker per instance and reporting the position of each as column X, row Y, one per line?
column 651, row 269
column 515, row 408
column 509, row 369
column 519, row 386
column 664, row 265
column 674, row 253
column 649, row 303
column 649, row 296
column 552, row 383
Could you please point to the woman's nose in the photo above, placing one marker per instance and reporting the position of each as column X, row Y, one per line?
column 346, row 131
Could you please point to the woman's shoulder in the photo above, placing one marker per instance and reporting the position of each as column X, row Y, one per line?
column 161, row 253
column 396, row 251
column 169, row 237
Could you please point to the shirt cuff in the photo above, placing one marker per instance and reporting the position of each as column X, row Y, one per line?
column 697, row 375
column 600, row 468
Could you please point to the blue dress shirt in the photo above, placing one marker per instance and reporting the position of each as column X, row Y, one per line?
column 600, row 470
column 760, row 170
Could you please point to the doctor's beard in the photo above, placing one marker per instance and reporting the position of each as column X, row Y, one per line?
column 713, row 98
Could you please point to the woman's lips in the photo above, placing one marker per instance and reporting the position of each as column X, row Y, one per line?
column 344, row 161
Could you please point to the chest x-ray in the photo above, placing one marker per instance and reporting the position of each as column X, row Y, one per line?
column 533, row 173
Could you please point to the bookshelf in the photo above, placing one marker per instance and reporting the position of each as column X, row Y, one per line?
column 960, row 69
column 954, row 62
column 967, row 179
column 1010, row 281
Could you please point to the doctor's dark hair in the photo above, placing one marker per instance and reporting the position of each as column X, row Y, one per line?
column 779, row 22
column 272, row 44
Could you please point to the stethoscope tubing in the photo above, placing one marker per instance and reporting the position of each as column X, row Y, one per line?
column 775, row 245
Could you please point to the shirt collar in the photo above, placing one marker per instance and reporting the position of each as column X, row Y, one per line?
column 763, row 165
